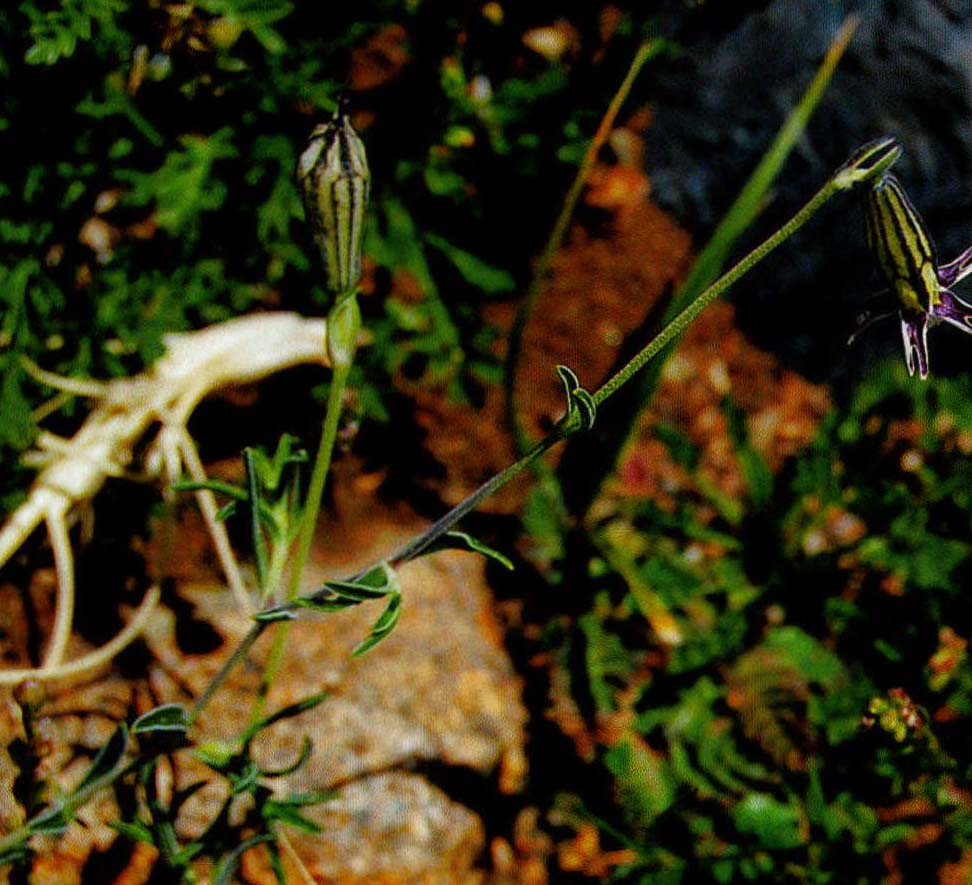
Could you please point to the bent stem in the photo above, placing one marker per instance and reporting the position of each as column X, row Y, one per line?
column 612, row 438
column 854, row 174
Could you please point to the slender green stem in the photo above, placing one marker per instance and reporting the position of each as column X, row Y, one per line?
column 312, row 506
column 322, row 465
column 343, row 322
column 841, row 181
column 681, row 322
column 414, row 547
column 646, row 51
column 270, row 671
column 239, row 654
column 859, row 171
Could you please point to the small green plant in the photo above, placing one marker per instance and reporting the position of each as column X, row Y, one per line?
column 728, row 757
column 273, row 518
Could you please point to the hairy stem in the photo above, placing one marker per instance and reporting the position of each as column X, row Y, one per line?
column 239, row 654
column 850, row 176
column 681, row 322
column 414, row 547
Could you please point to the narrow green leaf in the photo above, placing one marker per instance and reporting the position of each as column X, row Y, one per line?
column 354, row 592
column 167, row 718
column 383, row 626
column 50, row 822
column 135, row 830
column 277, row 613
column 287, row 814
column 256, row 534
column 475, row 271
column 314, row 797
column 584, row 403
column 14, row 854
column 210, row 485
column 462, row 541
column 570, row 381
column 104, row 764
column 294, row 709
column 226, row 868
column 375, row 584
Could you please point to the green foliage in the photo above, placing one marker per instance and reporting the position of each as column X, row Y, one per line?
column 250, row 813
column 56, row 33
column 735, row 645
column 773, row 705
column 185, row 186
column 152, row 190
column 107, row 765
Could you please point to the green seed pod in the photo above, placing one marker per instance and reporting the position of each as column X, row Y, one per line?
column 333, row 176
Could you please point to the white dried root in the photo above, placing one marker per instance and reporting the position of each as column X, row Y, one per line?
column 194, row 365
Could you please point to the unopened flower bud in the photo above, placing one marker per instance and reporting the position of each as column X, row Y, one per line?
column 333, row 176
column 899, row 240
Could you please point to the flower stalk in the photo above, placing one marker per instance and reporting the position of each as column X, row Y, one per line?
column 335, row 183
column 868, row 164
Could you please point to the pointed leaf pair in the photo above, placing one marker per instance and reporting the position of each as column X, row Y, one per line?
column 580, row 404
column 383, row 626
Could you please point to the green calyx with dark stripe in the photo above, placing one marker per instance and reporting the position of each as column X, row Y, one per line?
column 334, row 180
column 898, row 237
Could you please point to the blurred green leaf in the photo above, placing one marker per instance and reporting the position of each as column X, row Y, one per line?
column 777, row 825
column 184, row 187
column 491, row 280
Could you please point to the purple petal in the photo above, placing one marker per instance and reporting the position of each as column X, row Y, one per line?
column 914, row 330
column 949, row 274
column 953, row 310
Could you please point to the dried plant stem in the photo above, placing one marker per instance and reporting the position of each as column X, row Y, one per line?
column 64, row 569
column 646, row 51
column 217, row 531
column 295, row 858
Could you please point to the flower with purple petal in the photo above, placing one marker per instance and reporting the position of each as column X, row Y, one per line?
column 905, row 253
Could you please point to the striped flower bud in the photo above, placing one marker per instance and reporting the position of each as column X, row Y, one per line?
column 920, row 285
column 899, row 240
column 334, row 179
